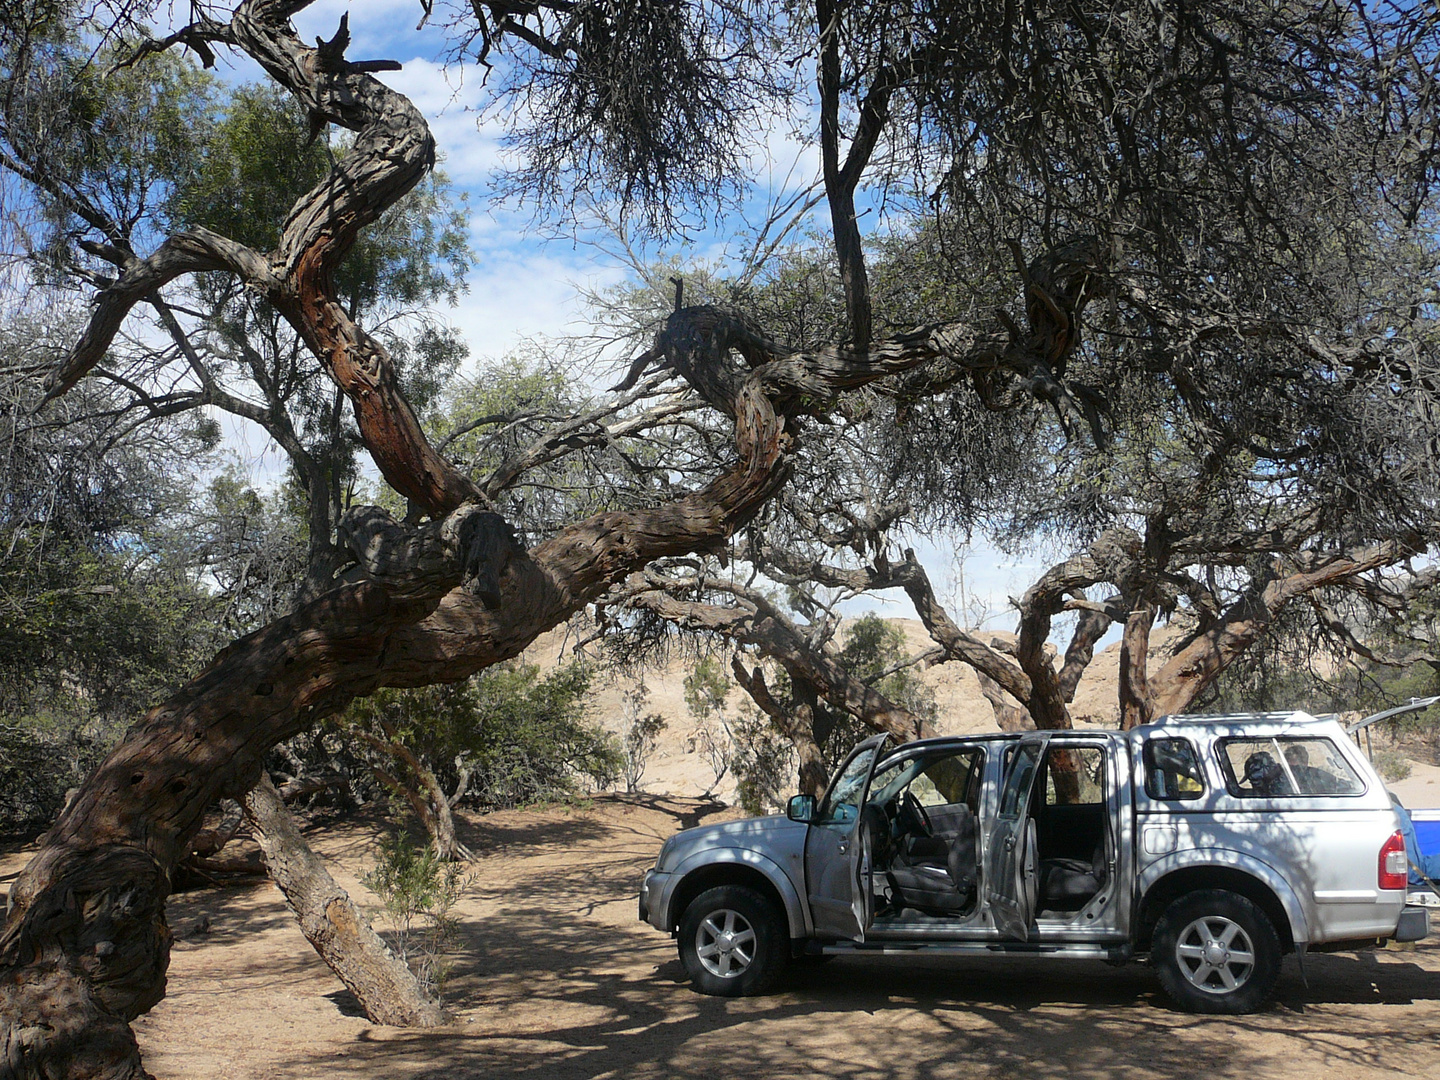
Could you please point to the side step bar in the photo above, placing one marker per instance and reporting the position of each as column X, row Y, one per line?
column 1112, row 954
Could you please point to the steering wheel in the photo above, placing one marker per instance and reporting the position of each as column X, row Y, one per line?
column 912, row 809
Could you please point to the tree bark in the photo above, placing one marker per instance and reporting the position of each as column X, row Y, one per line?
column 797, row 725
column 85, row 944
column 431, row 805
column 1137, row 704
column 385, row 987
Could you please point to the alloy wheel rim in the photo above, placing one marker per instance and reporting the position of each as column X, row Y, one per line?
column 1215, row 955
column 725, row 943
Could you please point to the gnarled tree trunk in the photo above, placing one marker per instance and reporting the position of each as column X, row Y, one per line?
column 85, row 945
column 386, row 989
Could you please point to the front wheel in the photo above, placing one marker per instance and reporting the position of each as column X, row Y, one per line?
column 1216, row 952
column 733, row 942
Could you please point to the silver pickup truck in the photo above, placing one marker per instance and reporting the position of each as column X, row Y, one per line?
column 1214, row 844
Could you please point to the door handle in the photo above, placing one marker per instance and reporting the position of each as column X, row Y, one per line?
column 1010, row 843
column 843, row 846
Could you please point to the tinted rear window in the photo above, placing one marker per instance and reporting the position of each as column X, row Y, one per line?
column 1285, row 767
column 1172, row 770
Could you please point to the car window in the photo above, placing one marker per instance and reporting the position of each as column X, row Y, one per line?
column 945, row 781
column 887, row 775
column 1172, row 770
column 842, row 801
column 1284, row 767
column 1017, row 781
column 1074, row 776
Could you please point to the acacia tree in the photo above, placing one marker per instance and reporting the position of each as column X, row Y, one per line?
column 1240, row 272
column 1049, row 128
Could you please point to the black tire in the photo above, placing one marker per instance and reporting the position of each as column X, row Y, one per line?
column 1216, row 952
column 733, row 942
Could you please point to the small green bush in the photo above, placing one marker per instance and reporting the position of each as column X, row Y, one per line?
column 40, row 760
column 419, row 891
column 1391, row 765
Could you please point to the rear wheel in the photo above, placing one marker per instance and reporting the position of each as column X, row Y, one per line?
column 733, row 942
column 1216, row 952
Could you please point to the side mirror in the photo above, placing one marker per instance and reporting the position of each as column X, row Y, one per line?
column 800, row 807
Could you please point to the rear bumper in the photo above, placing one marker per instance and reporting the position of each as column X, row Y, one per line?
column 1414, row 924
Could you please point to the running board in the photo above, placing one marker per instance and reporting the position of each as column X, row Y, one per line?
column 1113, row 954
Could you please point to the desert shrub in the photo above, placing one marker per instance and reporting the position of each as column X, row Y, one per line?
column 419, row 891
column 534, row 743
column 41, row 758
column 507, row 737
column 763, row 763
column 639, row 736
column 1391, row 765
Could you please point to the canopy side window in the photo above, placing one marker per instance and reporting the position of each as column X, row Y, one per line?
column 1285, row 767
column 1172, row 770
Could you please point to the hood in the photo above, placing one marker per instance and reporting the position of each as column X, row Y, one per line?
column 756, row 826
column 775, row 835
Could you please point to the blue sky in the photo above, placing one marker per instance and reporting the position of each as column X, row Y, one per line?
column 526, row 283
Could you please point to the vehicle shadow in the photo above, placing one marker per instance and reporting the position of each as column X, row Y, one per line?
column 554, row 978
column 552, row 998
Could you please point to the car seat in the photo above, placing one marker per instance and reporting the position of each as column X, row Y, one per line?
column 1069, row 884
column 936, row 874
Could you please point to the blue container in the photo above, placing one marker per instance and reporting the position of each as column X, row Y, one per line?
column 1427, row 838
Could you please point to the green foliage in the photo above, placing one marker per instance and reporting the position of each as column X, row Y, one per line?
column 256, row 157
column 872, row 646
column 1391, row 764
column 419, row 891
column 41, row 758
column 536, row 740
column 109, row 134
column 105, row 632
column 763, row 763
column 90, row 636
column 519, row 736
column 706, row 688
column 101, row 609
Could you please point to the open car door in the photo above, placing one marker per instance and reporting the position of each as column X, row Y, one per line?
column 837, row 849
column 1011, row 872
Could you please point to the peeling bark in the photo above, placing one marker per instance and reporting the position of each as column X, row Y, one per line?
column 1136, row 700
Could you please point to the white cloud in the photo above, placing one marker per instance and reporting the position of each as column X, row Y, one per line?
column 521, row 290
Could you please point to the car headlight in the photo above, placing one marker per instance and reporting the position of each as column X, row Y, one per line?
column 662, row 861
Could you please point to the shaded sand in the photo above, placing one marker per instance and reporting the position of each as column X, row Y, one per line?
column 556, row 980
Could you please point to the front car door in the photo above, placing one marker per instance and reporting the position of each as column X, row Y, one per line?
column 836, row 848
column 1010, row 856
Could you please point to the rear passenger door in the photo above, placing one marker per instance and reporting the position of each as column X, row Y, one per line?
column 1010, row 856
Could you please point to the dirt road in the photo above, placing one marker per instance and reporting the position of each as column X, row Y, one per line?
column 556, row 980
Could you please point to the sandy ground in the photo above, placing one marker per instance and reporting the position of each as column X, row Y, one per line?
column 555, row 979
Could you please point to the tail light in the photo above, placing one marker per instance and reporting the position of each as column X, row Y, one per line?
column 1394, row 865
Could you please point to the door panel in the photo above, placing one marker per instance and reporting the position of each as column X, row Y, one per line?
column 1010, row 867
column 835, row 849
